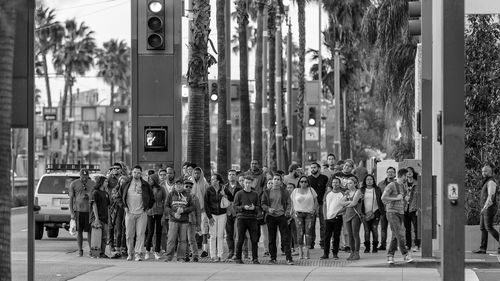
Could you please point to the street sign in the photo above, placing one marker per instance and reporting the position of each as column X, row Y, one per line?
column 312, row 133
column 453, row 191
column 50, row 113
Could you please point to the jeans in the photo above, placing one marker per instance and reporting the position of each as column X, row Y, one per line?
column 177, row 233
column 305, row 222
column 154, row 227
column 321, row 228
column 371, row 227
column 253, row 228
column 383, row 229
column 333, row 227
column 164, row 233
column 273, row 224
column 486, row 226
column 352, row 228
column 116, row 231
column 135, row 226
column 292, row 227
column 411, row 221
column 191, row 235
column 395, row 221
column 230, row 234
column 217, row 236
column 264, row 233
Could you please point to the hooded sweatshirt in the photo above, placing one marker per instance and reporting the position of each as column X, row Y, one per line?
column 176, row 200
column 199, row 189
column 159, row 194
column 259, row 180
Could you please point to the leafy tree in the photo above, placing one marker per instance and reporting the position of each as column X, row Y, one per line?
column 482, row 105
column 48, row 36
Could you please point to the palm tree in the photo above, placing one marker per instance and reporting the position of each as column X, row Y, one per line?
column 113, row 62
column 385, row 32
column 246, row 138
column 301, row 5
column 271, row 26
column 258, row 145
column 48, row 37
column 222, row 165
column 75, row 56
column 197, row 77
column 7, row 36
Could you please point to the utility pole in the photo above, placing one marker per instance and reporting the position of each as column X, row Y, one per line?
column 265, row 110
column 228, row 82
column 336, row 74
column 320, row 79
column 289, row 86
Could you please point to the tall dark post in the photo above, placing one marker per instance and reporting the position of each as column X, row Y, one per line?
column 426, row 182
column 453, row 219
column 228, row 83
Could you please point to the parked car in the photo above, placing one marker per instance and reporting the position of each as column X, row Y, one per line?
column 52, row 198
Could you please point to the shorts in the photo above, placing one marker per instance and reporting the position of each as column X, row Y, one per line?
column 82, row 221
column 204, row 223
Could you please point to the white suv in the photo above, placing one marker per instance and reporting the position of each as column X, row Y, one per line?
column 52, row 196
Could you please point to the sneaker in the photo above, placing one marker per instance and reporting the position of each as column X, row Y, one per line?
column 408, row 258
column 347, row 249
column 479, row 251
column 187, row 259
column 130, row 258
column 416, row 249
column 238, row 261
column 272, row 261
column 103, row 256
column 390, row 260
column 146, row 256
column 204, row 254
column 181, row 260
column 289, row 262
column 266, row 254
column 335, row 256
column 157, row 256
column 195, row 259
column 255, row 262
column 138, row 257
column 382, row 248
column 323, row 257
column 80, row 253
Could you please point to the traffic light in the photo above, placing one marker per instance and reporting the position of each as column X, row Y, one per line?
column 414, row 18
column 214, row 95
column 311, row 121
column 156, row 25
column 120, row 109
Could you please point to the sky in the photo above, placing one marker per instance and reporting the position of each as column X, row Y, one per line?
column 110, row 19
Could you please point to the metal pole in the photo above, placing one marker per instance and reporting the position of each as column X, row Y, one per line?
column 279, row 101
column 320, row 79
column 228, row 81
column 426, row 179
column 453, row 163
column 289, row 88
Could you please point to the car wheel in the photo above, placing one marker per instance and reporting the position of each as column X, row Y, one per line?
column 52, row 232
column 38, row 231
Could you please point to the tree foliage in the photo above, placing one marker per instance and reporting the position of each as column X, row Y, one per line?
column 482, row 105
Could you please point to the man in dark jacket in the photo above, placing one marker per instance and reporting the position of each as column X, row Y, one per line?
column 178, row 206
column 137, row 199
column 232, row 186
column 277, row 206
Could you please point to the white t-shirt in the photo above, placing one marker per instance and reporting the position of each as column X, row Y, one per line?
column 370, row 200
column 134, row 198
column 334, row 204
column 303, row 202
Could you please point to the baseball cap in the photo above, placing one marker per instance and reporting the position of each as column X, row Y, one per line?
column 84, row 172
column 179, row 180
column 188, row 182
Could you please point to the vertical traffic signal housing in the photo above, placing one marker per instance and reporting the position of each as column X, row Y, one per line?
column 414, row 18
column 312, row 118
column 155, row 25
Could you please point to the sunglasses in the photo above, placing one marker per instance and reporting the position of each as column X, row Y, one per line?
column 303, row 181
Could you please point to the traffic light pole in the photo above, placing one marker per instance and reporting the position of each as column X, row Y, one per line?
column 228, row 82
column 279, row 94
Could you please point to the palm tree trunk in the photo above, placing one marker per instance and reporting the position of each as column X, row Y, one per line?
column 112, row 129
column 246, row 138
column 257, row 145
column 206, row 130
column 197, row 80
column 272, row 89
column 222, row 165
column 7, row 35
column 301, row 75
column 47, row 82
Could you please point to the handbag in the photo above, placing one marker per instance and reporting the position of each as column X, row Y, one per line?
column 370, row 215
column 224, row 202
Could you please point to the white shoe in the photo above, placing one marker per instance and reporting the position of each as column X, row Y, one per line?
column 138, row 257
column 390, row 260
column 408, row 258
column 416, row 249
column 146, row 256
column 157, row 256
column 129, row 258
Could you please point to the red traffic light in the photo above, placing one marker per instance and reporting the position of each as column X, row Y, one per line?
column 156, row 25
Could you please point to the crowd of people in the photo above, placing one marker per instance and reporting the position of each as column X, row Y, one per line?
column 157, row 214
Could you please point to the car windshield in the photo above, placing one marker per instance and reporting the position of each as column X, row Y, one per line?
column 55, row 184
